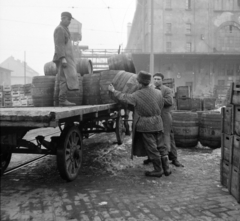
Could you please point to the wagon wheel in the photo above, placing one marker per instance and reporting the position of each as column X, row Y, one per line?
column 5, row 158
column 69, row 153
column 120, row 129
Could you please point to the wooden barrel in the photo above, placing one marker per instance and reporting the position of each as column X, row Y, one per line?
column 122, row 81
column 84, row 66
column 91, row 89
column 185, row 128
column 42, row 91
column 210, row 129
column 121, row 62
column 76, row 96
column 50, row 69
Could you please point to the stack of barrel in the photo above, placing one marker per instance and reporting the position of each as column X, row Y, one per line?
column 93, row 87
column 230, row 148
column 192, row 127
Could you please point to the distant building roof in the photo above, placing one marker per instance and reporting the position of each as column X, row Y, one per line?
column 17, row 67
column 5, row 69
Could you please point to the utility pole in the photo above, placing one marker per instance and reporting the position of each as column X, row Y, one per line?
column 25, row 67
column 152, row 40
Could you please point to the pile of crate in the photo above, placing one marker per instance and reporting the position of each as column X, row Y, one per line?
column 15, row 95
column 185, row 100
column 230, row 155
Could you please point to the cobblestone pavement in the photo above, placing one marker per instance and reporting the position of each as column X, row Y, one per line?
column 191, row 193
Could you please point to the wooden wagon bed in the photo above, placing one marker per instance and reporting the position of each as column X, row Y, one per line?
column 48, row 116
column 74, row 124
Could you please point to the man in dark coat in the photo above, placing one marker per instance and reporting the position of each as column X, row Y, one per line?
column 147, row 124
column 167, row 117
column 66, row 78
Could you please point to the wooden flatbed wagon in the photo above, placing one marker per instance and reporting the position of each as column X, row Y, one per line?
column 73, row 122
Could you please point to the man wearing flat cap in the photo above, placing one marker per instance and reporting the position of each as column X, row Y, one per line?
column 147, row 123
column 66, row 78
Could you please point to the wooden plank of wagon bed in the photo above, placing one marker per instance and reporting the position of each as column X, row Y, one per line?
column 44, row 115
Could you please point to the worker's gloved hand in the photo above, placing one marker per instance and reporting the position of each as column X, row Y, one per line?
column 64, row 62
column 111, row 88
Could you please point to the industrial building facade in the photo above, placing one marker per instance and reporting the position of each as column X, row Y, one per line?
column 196, row 42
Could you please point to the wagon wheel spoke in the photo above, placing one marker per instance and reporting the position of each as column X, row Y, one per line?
column 69, row 156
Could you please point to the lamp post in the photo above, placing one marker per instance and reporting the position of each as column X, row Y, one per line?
column 152, row 40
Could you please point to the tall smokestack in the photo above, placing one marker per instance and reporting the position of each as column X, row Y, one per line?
column 129, row 26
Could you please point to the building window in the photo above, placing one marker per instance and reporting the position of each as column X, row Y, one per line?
column 188, row 28
column 221, row 82
column 189, row 47
column 217, row 4
column 169, row 46
column 188, row 4
column 169, row 28
column 228, row 5
column 168, row 4
column 238, row 2
column 188, row 66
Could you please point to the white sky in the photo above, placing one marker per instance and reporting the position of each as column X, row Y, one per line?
column 28, row 25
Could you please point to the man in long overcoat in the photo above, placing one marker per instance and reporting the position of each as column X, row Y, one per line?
column 64, row 59
column 167, row 117
column 147, row 123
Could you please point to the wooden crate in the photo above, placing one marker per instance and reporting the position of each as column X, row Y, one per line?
column 227, row 119
column 225, row 173
column 235, row 93
column 7, row 88
column 7, row 103
column 236, row 120
column 209, row 103
column 7, row 99
column 235, row 183
column 184, row 104
column 184, row 92
column 7, row 94
column 226, row 147
column 196, row 104
column 236, row 151
column 15, row 93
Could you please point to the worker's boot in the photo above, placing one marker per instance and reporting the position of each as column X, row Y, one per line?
column 63, row 102
column 158, row 170
column 147, row 161
column 165, row 165
column 176, row 163
column 56, row 93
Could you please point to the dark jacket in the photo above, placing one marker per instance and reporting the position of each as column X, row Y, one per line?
column 61, row 37
column 166, row 112
column 148, row 104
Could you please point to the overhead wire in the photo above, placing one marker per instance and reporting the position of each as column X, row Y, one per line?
column 53, row 25
column 111, row 18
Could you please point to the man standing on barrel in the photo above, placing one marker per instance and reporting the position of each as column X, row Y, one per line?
column 66, row 78
column 147, row 133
